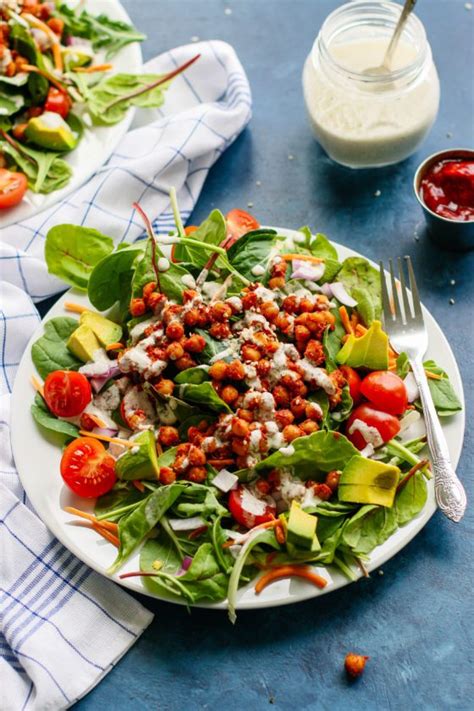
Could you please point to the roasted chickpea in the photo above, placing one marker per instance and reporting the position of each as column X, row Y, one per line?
column 249, row 300
column 154, row 300
column 220, row 331
column 300, row 388
column 314, row 352
column 284, row 418
column 245, row 414
column 291, row 432
column 302, row 334
column 174, row 331
column 240, row 428
column 220, row 311
column 273, row 478
column 194, row 344
column 185, row 362
column 290, row 304
column 218, row 370
column 354, row 664
column 241, row 462
column 174, row 351
column 323, row 491
column 332, row 480
column 191, row 317
column 137, row 307
column 309, row 426
column 196, row 456
column 167, row 475
column 168, row 436
column 289, row 380
column 250, row 353
column 282, row 322
column 298, row 405
column 235, row 370
column 318, row 321
column 305, row 306
column 189, row 295
column 270, row 310
column 281, row 396
column 197, row 474
column 264, row 367
column 164, row 387
column 313, row 411
column 171, row 312
column 194, row 435
column 148, row 288
column 240, row 446
column 204, row 317
column 279, row 268
column 277, row 282
column 229, row 394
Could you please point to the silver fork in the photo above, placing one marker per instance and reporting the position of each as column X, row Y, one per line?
column 406, row 329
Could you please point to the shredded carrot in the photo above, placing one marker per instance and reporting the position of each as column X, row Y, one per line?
column 433, row 376
column 109, row 525
column 95, row 68
column 229, row 543
column 280, row 533
column 197, row 532
column 354, row 320
column 302, row 258
column 138, row 485
column 106, row 534
column 286, row 571
column 96, row 420
column 55, row 44
column 360, row 330
column 220, row 463
column 115, row 346
column 346, row 322
column 37, row 385
column 392, row 364
column 422, row 463
column 75, row 308
column 159, row 449
column 49, row 77
column 105, row 438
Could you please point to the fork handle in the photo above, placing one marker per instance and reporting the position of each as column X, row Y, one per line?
column 449, row 492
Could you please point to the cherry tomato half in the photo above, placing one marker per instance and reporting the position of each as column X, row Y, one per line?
column 386, row 391
column 12, row 188
column 353, row 380
column 58, row 102
column 87, row 469
column 67, row 393
column 247, row 509
column 387, row 425
column 238, row 224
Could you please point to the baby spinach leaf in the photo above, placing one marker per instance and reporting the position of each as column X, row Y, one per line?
column 10, row 104
column 213, row 346
column 445, row 399
column 314, row 454
column 250, row 251
column 162, row 550
column 411, row 499
column 46, row 419
column 134, row 527
column 195, row 376
column 119, row 497
column 170, row 281
column 203, row 502
column 362, row 281
column 109, row 276
column 169, row 406
column 203, row 394
column 403, row 365
column 45, row 171
column 369, row 527
column 194, row 421
column 50, row 352
column 71, row 252
column 211, row 231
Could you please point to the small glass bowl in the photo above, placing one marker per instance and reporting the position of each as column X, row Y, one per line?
column 455, row 235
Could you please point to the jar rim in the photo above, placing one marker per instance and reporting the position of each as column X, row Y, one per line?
column 370, row 13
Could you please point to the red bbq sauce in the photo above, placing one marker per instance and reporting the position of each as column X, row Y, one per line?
column 448, row 189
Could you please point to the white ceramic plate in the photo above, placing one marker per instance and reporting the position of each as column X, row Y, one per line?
column 98, row 143
column 37, row 460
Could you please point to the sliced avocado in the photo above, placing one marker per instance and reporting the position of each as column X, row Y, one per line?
column 83, row 343
column 367, row 351
column 76, row 57
column 140, row 464
column 367, row 481
column 301, row 528
column 105, row 330
column 51, row 131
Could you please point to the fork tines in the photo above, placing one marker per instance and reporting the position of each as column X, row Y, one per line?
column 397, row 304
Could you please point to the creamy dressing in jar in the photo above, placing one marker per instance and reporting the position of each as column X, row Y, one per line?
column 365, row 119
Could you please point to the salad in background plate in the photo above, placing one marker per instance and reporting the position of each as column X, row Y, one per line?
column 234, row 407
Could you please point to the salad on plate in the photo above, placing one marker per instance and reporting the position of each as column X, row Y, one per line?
column 232, row 403
column 56, row 82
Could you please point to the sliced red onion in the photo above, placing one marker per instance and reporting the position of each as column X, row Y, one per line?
column 305, row 270
column 410, row 419
column 105, row 431
column 186, row 524
column 225, row 481
column 327, row 291
column 340, row 293
column 411, row 387
column 99, row 381
column 185, row 564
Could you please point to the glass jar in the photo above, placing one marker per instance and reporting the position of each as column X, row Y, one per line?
column 363, row 118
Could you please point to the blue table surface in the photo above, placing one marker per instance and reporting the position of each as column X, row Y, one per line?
column 415, row 621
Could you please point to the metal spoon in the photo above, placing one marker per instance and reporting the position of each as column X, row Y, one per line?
column 384, row 68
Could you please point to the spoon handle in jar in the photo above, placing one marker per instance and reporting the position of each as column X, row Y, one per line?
column 407, row 8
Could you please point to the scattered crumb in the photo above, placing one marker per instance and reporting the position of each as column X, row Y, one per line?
column 377, row 193
column 381, row 572
column 258, row 183
column 354, row 664
column 157, row 564
column 227, row 11
column 451, row 301
column 468, row 5
column 291, row 156
column 195, row 38
column 452, row 282
column 250, row 204
column 449, row 134
column 417, row 238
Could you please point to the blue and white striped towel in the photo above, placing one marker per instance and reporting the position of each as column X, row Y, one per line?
column 62, row 626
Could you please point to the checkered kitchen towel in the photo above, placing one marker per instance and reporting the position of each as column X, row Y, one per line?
column 62, row 626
